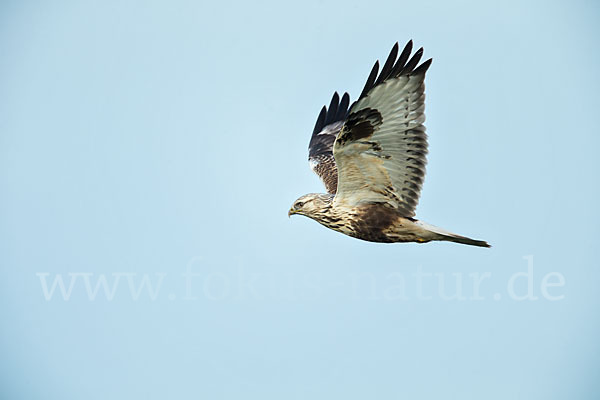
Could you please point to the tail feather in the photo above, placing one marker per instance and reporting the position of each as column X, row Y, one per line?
column 464, row 240
column 443, row 235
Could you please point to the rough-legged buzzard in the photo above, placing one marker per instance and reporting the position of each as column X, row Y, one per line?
column 371, row 156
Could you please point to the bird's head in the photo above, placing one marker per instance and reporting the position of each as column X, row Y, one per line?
column 310, row 204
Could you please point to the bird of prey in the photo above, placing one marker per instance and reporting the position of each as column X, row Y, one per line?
column 371, row 157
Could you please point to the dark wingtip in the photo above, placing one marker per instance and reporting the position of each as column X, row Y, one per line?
column 333, row 107
column 393, row 67
column 388, row 66
column 346, row 96
column 343, row 108
column 370, row 80
column 320, row 120
column 407, row 49
column 399, row 66
column 412, row 63
column 421, row 69
column 337, row 111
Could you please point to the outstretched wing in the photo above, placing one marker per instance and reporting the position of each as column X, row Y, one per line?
column 320, row 148
column 381, row 150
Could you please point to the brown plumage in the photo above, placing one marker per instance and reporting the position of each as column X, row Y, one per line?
column 371, row 157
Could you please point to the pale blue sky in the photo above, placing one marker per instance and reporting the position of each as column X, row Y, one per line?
column 168, row 140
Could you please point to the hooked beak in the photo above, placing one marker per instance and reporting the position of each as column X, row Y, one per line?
column 291, row 212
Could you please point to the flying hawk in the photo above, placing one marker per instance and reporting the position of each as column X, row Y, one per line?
column 371, row 156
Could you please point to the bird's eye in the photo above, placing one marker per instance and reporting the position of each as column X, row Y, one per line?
column 299, row 204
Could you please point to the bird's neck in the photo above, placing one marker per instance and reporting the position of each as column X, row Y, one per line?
column 330, row 216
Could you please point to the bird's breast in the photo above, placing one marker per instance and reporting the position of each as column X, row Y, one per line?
column 374, row 222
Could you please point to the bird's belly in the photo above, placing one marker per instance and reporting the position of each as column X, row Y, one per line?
column 376, row 223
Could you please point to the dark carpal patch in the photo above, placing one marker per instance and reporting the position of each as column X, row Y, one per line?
column 360, row 125
column 372, row 220
column 374, row 146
